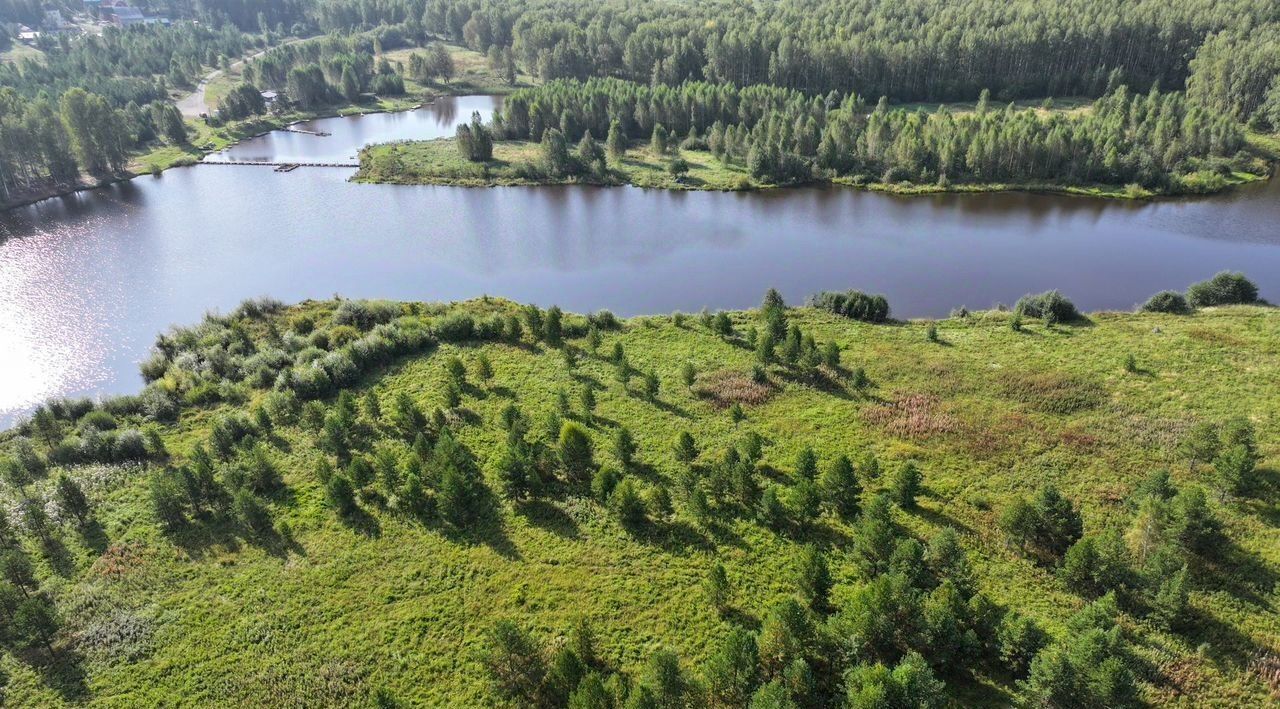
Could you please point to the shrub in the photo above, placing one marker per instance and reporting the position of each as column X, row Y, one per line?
column 604, row 482
column 99, row 419
column 364, row 314
column 812, row 577
column 626, row 503
column 731, row 672
column 685, row 449
column 1167, row 301
column 130, row 445
column 717, row 587
column 1051, row 306
column 1225, row 288
column 840, row 487
column 604, row 320
column 575, row 450
column 853, row 304
column 906, row 485
column 457, row 327
column 311, row 382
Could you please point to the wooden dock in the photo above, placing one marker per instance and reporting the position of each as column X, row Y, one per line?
column 281, row 166
column 304, row 131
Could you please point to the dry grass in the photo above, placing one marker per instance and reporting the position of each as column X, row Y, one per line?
column 118, row 560
column 914, row 416
column 1053, row 392
column 727, row 387
column 1267, row 667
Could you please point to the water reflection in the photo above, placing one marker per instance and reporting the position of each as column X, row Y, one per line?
column 87, row 281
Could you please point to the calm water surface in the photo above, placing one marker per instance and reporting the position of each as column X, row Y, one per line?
column 86, row 282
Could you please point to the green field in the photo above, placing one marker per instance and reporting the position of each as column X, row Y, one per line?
column 339, row 609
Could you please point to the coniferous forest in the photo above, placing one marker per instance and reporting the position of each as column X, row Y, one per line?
column 1205, row 70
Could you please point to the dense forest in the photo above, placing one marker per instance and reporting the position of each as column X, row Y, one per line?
column 925, row 50
column 85, row 105
column 784, row 507
column 933, row 50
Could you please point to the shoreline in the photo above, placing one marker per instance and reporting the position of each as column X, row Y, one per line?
column 900, row 190
column 268, row 124
column 189, row 151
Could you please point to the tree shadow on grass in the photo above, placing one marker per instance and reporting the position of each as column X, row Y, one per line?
column 817, row 380
column 272, row 542
column 724, row 535
column 823, row 535
column 359, row 520
column 939, row 518
column 587, row 379
column 63, row 672
column 1264, row 503
column 643, row 471
column 741, row 618
column 93, row 535
column 664, row 406
column 547, row 515
column 772, row 474
column 674, row 536
column 489, row 533
column 1238, row 572
column 599, row 423
column 1225, row 645
column 58, row 555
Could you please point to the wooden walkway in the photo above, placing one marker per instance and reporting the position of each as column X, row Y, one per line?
column 279, row 164
column 304, row 131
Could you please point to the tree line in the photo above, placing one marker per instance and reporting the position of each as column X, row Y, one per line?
column 1157, row 140
column 43, row 142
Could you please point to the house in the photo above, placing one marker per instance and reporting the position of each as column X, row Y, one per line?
column 125, row 15
column 53, row 20
column 269, row 98
column 28, row 35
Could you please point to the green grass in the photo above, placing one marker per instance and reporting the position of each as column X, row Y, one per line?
column 440, row 162
column 163, row 157
column 19, row 51
column 473, row 75
column 1267, row 146
column 219, row 618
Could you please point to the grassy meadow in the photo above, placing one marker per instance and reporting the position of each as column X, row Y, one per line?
column 346, row 610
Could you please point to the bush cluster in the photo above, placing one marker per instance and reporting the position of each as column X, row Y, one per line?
column 853, row 304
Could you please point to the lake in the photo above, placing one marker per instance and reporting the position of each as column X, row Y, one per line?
column 87, row 281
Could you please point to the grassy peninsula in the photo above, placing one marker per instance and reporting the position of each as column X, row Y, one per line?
column 352, row 503
column 521, row 163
